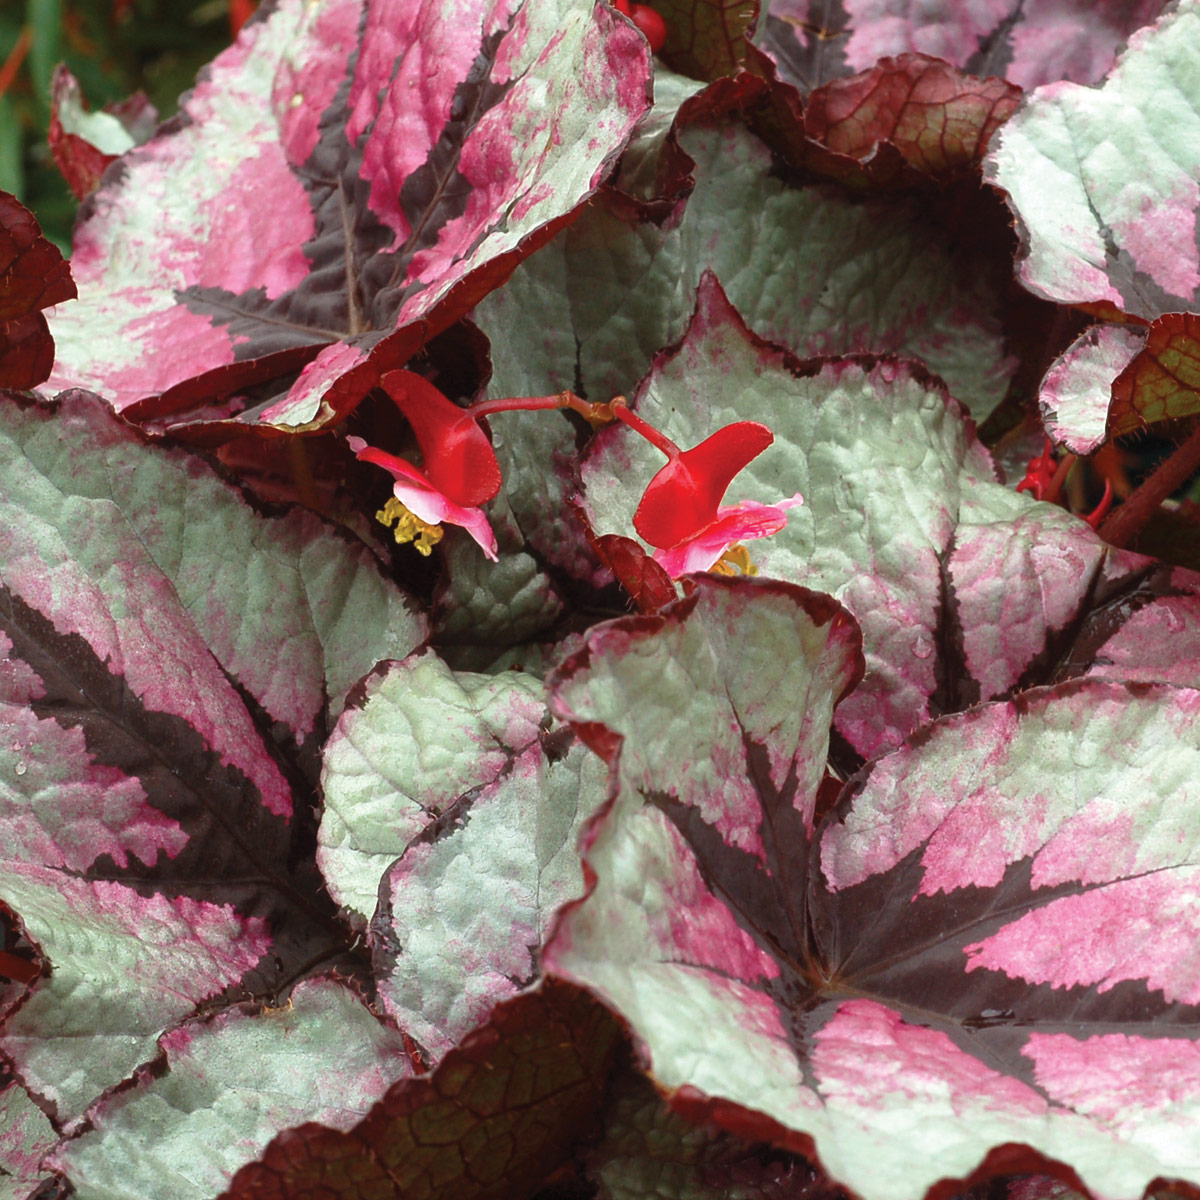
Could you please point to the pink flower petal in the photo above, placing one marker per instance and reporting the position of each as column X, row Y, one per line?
column 423, row 500
column 431, row 506
column 739, row 523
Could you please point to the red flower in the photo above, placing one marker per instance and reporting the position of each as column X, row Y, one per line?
column 459, row 460
column 721, row 538
column 680, row 512
column 1039, row 475
column 460, row 470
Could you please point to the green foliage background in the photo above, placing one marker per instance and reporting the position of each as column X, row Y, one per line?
column 115, row 48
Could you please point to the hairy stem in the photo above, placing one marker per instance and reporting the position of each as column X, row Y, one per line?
column 657, row 439
column 1124, row 524
column 597, row 413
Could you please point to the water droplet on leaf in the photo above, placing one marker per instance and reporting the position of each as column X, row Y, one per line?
column 20, row 768
column 922, row 645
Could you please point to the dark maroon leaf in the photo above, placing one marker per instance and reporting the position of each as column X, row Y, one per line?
column 936, row 117
column 497, row 1116
column 26, row 352
column 648, row 585
column 33, row 276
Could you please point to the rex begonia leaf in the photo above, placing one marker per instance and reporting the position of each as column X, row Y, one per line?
column 1143, row 627
column 1103, row 183
column 452, row 813
column 166, row 689
column 964, row 589
column 346, row 180
column 649, row 1152
column 1076, row 393
column 850, row 437
column 33, row 276
column 222, row 1088
column 982, row 962
column 1119, row 379
column 1030, row 44
column 26, row 1137
column 807, row 267
column 490, row 1123
column 1103, row 180
column 938, row 119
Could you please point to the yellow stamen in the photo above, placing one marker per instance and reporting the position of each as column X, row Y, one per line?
column 410, row 527
column 735, row 561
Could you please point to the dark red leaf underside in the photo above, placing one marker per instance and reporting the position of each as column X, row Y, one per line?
column 903, row 123
column 706, row 39
column 648, row 585
column 936, row 117
column 33, row 276
column 1162, row 383
column 500, row 1113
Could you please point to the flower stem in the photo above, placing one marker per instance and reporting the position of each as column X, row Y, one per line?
column 656, row 438
column 1126, row 522
column 485, row 408
column 599, row 414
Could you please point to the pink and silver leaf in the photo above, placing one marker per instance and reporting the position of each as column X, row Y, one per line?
column 943, row 627
column 990, row 951
column 452, row 813
column 221, row 1088
column 172, row 660
column 813, row 41
column 346, row 180
column 1102, row 180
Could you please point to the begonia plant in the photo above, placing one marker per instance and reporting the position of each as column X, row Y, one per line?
column 412, row 788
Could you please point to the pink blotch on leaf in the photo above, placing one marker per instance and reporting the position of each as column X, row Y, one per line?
column 1160, row 234
column 256, row 227
column 307, row 85
column 184, row 342
column 1145, row 929
column 696, row 929
column 1118, row 1079
column 868, row 1056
